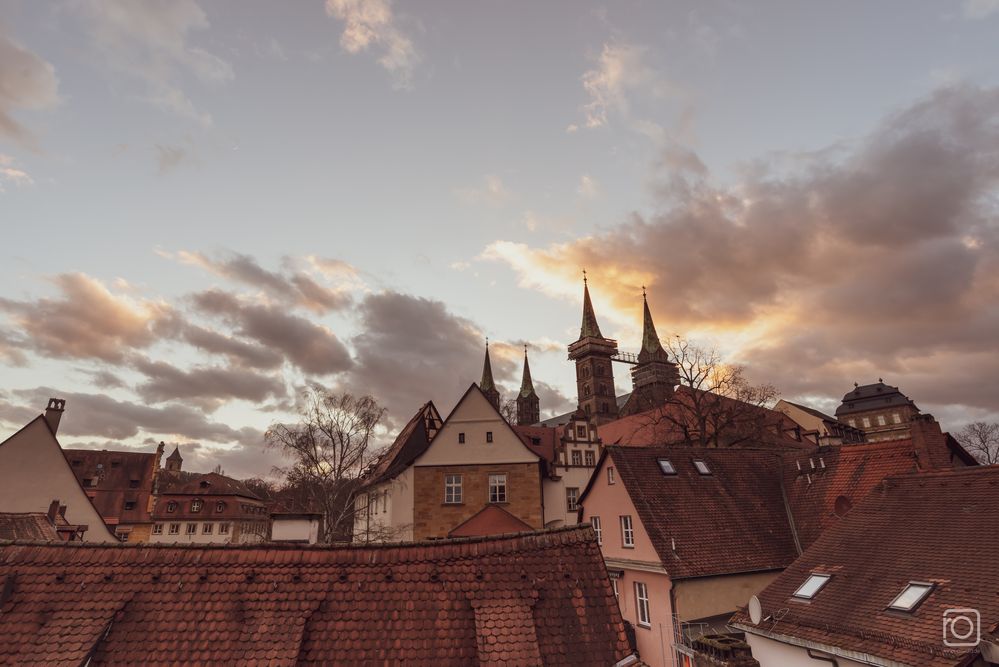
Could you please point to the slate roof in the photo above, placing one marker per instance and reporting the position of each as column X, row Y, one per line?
column 937, row 528
column 122, row 477
column 528, row 599
column 547, row 437
column 27, row 526
column 412, row 441
column 872, row 397
column 208, row 484
column 490, row 520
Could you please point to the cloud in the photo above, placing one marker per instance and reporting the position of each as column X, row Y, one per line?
column 151, row 42
column 169, row 158
column 876, row 260
column 371, row 24
column 294, row 285
column 588, row 187
column 238, row 351
column 620, row 70
column 10, row 174
column 207, row 387
column 311, row 347
column 85, row 321
column 979, row 9
column 26, row 82
column 492, row 192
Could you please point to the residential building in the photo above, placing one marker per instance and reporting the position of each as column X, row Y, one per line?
column 296, row 527
column 907, row 578
column 121, row 486
column 48, row 526
column 208, row 509
column 538, row 599
column 819, row 427
column 880, row 410
column 34, row 470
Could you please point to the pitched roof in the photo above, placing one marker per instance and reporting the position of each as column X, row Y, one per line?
column 812, row 411
column 120, row 477
column 487, row 384
column 589, row 327
column 490, row 520
column 413, row 440
column 526, row 599
column 526, row 383
column 27, row 526
column 652, row 347
column 208, row 484
column 546, row 437
column 937, row 528
column 872, row 397
column 733, row 520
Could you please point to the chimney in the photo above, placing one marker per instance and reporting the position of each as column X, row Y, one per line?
column 53, row 413
column 53, row 511
column 62, row 511
column 929, row 443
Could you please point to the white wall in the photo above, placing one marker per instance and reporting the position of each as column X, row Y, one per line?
column 387, row 522
column 295, row 529
column 770, row 653
column 199, row 537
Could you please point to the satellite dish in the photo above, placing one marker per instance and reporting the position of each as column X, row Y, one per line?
column 755, row 610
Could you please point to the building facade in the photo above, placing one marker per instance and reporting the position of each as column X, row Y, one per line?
column 880, row 410
column 208, row 509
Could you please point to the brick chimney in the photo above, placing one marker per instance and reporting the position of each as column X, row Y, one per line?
column 929, row 443
column 53, row 413
column 53, row 511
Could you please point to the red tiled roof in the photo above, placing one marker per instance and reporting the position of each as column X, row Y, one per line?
column 937, row 528
column 27, row 526
column 412, row 441
column 733, row 520
column 540, row 598
column 209, row 484
column 490, row 520
column 122, row 477
column 546, row 436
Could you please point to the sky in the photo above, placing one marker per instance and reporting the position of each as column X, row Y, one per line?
column 204, row 206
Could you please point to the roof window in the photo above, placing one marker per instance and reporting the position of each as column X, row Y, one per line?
column 702, row 467
column 812, row 586
column 666, row 466
column 914, row 593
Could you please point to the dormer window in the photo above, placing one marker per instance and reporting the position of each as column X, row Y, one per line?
column 220, row 506
column 812, row 585
column 130, row 504
column 171, row 507
column 666, row 466
column 196, row 505
column 910, row 597
column 702, row 467
column 116, row 464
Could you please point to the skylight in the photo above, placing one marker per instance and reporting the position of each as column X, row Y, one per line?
column 702, row 467
column 910, row 598
column 667, row 467
column 812, row 586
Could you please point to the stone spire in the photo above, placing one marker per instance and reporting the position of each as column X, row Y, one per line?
column 487, row 385
column 652, row 348
column 528, row 403
column 589, row 327
column 175, row 460
column 654, row 377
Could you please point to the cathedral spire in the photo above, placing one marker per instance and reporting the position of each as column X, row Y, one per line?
column 652, row 348
column 528, row 403
column 589, row 327
column 487, row 385
column 527, row 385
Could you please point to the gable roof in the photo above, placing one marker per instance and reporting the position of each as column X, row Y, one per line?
column 413, row 440
column 490, row 520
column 937, row 528
column 208, row 484
column 547, row 437
column 121, row 477
column 33, row 526
column 733, row 520
column 526, row 599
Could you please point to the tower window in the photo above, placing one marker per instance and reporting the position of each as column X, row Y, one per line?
column 581, row 431
column 489, row 436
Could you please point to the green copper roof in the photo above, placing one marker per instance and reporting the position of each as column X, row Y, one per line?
column 487, row 373
column 526, row 385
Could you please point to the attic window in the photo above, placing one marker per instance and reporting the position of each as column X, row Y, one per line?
column 812, row 586
column 702, row 467
column 461, row 438
column 205, row 484
column 116, row 464
column 133, row 483
column 666, row 466
column 914, row 593
column 130, row 504
column 489, row 436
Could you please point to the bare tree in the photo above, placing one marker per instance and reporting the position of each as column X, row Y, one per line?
column 715, row 404
column 981, row 439
column 329, row 448
column 508, row 409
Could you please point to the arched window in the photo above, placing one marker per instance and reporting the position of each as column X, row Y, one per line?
column 171, row 507
column 220, row 506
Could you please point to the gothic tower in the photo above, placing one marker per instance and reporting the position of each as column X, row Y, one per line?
column 655, row 377
column 594, row 375
column 487, row 385
column 175, row 460
column 528, row 403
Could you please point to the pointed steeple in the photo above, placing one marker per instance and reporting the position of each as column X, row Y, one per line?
column 589, row 327
column 652, row 348
column 528, row 403
column 527, row 385
column 487, row 385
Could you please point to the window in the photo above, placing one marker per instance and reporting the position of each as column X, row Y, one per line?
column 133, row 483
column 171, row 507
column 157, row 529
column 130, row 504
column 577, row 457
column 581, row 431
column 207, row 528
column 642, row 604
column 489, row 436
column 812, row 586
column 617, row 593
column 461, row 438
column 591, row 458
column 89, row 482
column 497, row 488
column 192, row 528
column 174, row 528
column 385, row 501
column 595, row 522
column 702, row 467
column 881, row 420
column 610, row 475
column 914, row 593
column 77, row 463
column 122, row 535
column 866, row 422
column 571, row 498
column 116, row 464
column 220, row 506
column 196, row 505
column 896, row 418
column 223, row 529
column 627, row 532
column 852, row 422
column 666, row 466
column 452, row 489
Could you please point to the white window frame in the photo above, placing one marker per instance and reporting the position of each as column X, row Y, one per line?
column 866, row 421
column 924, row 586
column 617, row 593
column 610, row 475
column 882, row 421
column 157, row 529
column 571, row 498
column 896, row 418
column 589, row 458
column 175, row 529
column 192, row 529
column 642, row 614
column 453, row 492
column 207, row 528
column 811, row 586
column 497, row 487
column 577, row 457
column 597, row 529
column 196, row 505
column 223, row 529
column 627, row 532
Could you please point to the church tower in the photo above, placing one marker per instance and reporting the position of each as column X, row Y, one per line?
column 654, row 377
column 594, row 375
column 175, row 460
column 487, row 385
column 528, row 403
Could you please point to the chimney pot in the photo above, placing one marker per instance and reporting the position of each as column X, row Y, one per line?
column 53, row 413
